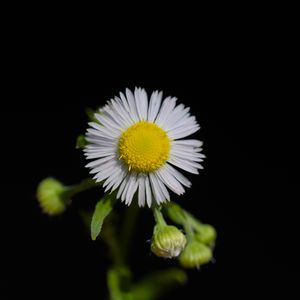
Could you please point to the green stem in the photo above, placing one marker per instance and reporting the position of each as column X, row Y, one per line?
column 188, row 228
column 130, row 219
column 86, row 184
column 118, row 275
column 180, row 216
column 109, row 236
column 158, row 216
column 175, row 213
column 113, row 282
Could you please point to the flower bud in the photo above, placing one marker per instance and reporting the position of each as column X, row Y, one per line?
column 168, row 241
column 195, row 254
column 206, row 234
column 49, row 195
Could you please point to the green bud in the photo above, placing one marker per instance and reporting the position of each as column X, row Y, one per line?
column 168, row 241
column 49, row 195
column 206, row 234
column 195, row 255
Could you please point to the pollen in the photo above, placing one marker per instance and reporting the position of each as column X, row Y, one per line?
column 144, row 147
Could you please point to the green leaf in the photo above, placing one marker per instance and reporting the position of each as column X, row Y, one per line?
column 81, row 142
column 91, row 114
column 102, row 210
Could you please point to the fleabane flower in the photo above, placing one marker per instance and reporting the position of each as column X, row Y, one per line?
column 138, row 144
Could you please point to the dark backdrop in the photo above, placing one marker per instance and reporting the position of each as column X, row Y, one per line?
column 247, row 189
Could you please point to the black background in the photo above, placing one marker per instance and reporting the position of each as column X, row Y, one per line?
column 247, row 189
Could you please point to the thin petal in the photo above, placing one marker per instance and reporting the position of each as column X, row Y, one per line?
column 142, row 190
column 141, row 103
column 170, row 181
column 159, row 197
column 98, row 162
column 193, row 143
column 132, row 106
column 162, row 187
column 183, row 132
column 183, row 165
column 148, row 192
column 121, row 189
column 154, row 105
column 131, row 190
column 176, row 174
column 167, row 107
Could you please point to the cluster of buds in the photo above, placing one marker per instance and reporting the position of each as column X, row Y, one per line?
column 193, row 249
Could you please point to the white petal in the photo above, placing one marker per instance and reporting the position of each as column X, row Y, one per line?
column 122, row 112
column 106, row 121
column 167, row 107
column 92, row 139
column 131, row 190
column 178, row 114
column 180, row 177
column 113, row 114
column 170, row 181
column 132, row 106
column 158, row 195
column 110, row 181
column 104, row 168
column 183, row 132
column 115, row 178
column 187, row 149
column 194, row 143
column 142, row 190
column 100, row 154
column 148, row 192
column 124, row 102
column 121, row 189
column 183, row 123
column 100, row 149
column 154, row 105
column 141, row 103
column 162, row 187
column 100, row 161
column 186, row 152
column 104, row 132
column 105, row 174
column 129, row 182
column 183, row 165
column 187, row 162
column 186, row 156
column 119, row 180
column 100, row 146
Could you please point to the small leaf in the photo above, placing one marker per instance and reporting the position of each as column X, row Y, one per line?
column 102, row 210
column 81, row 142
column 91, row 114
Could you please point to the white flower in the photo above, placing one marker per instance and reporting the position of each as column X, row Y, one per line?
column 136, row 142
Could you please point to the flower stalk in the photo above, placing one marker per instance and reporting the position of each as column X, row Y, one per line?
column 83, row 186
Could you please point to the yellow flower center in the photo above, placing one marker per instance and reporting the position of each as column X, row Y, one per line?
column 144, row 147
